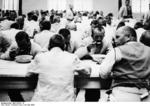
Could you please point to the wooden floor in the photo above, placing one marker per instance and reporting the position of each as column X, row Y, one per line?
column 27, row 95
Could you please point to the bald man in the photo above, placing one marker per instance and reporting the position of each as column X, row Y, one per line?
column 129, row 66
column 145, row 38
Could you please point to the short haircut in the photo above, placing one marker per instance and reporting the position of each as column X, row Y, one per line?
column 21, row 36
column 15, row 26
column 130, row 31
column 34, row 17
column 45, row 25
column 94, row 22
column 64, row 32
column 138, row 25
column 30, row 14
column 56, row 40
column 147, row 25
column 23, row 42
column 121, row 24
column 145, row 38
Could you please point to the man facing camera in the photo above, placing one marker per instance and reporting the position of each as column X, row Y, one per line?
column 128, row 64
column 97, row 45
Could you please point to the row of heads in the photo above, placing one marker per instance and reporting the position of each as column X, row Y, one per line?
column 57, row 40
column 123, row 35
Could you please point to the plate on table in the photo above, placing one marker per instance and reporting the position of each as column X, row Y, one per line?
column 23, row 58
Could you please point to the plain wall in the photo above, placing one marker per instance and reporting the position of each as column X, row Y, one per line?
column 104, row 5
column 29, row 5
column 0, row 4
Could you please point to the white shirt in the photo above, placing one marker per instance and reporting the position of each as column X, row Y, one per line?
column 139, row 32
column 104, row 69
column 56, row 74
column 4, row 25
column 30, row 27
column 43, row 38
column 10, row 34
column 55, row 27
column 75, row 40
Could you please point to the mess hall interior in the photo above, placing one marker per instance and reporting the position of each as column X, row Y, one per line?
column 74, row 50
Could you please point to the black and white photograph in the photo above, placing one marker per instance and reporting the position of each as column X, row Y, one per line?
column 74, row 51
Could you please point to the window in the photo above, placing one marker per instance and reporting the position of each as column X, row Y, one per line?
column 57, row 4
column 10, row 4
column 140, row 6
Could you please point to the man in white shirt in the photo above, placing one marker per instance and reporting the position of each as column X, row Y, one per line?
column 97, row 44
column 44, row 36
column 128, row 64
column 5, row 24
column 56, row 73
column 32, row 26
column 11, row 33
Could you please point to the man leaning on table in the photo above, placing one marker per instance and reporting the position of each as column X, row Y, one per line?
column 129, row 66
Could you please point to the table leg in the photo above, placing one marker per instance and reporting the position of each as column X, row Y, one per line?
column 81, row 96
column 15, row 96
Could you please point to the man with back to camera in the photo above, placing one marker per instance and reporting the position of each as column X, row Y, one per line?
column 128, row 65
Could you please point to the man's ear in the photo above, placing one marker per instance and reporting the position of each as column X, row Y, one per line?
column 128, row 37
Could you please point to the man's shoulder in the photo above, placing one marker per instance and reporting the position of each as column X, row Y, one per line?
column 70, row 55
column 133, row 47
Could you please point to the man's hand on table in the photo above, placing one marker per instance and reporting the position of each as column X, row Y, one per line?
column 82, row 71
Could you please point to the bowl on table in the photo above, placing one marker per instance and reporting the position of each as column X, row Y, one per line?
column 23, row 58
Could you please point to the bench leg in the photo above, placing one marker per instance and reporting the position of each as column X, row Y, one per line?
column 15, row 96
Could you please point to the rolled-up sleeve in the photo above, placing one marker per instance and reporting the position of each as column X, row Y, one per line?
column 106, row 66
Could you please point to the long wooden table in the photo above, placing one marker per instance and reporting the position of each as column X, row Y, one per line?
column 14, row 79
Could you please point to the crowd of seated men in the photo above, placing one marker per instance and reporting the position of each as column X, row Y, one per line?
column 58, row 44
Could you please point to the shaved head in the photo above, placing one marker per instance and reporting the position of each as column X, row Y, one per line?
column 128, row 31
column 145, row 38
column 125, row 34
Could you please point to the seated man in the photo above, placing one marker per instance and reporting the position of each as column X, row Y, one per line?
column 11, row 33
column 71, row 44
column 56, row 25
column 145, row 38
column 98, row 44
column 6, row 23
column 31, row 27
column 56, row 72
column 88, row 31
column 43, row 37
column 128, row 64
column 22, row 46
